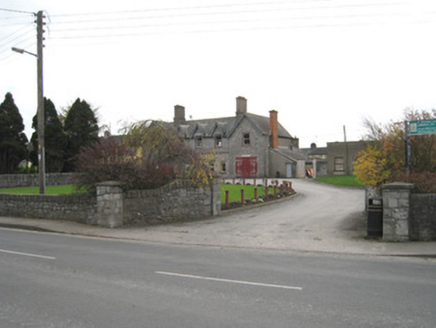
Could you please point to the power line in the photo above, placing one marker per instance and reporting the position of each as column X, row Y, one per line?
column 139, row 14
column 17, row 11
column 16, row 38
column 230, row 25
column 147, row 25
column 95, row 27
column 13, row 34
column 269, row 3
column 179, row 8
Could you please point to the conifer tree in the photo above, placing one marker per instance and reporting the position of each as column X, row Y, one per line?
column 55, row 139
column 81, row 128
column 12, row 138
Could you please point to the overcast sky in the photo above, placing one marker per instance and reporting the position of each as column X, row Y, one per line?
column 321, row 64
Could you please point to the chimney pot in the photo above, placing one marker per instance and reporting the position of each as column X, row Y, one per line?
column 179, row 115
column 241, row 106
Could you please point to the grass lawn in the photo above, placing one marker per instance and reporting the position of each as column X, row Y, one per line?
column 235, row 192
column 341, row 180
column 50, row 190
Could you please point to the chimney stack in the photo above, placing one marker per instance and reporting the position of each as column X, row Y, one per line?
column 274, row 126
column 179, row 115
column 241, row 106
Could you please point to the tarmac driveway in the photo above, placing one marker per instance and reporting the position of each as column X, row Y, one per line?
column 320, row 217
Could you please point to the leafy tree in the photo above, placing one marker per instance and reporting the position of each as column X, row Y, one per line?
column 55, row 139
column 147, row 156
column 12, row 138
column 81, row 128
column 371, row 168
column 384, row 159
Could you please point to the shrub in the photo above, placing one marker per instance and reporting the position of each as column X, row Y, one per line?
column 147, row 157
column 109, row 160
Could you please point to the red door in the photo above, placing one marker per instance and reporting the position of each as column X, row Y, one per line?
column 246, row 167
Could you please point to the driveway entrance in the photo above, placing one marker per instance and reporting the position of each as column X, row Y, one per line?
column 320, row 218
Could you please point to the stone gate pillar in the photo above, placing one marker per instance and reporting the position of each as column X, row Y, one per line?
column 109, row 204
column 216, row 197
column 396, row 211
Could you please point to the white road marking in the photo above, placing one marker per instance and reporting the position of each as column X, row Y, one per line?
column 28, row 254
column 242, row 282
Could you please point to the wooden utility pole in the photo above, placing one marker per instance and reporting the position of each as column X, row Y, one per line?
column 40, row 111
column 346, row 152
column 408, row 149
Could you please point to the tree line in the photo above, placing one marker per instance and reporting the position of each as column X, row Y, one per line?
column 65, row 136
column 148, row 155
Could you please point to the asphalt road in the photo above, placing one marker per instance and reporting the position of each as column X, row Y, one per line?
column 50, row 280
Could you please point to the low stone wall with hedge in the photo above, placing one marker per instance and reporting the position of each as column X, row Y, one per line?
column 32, row 180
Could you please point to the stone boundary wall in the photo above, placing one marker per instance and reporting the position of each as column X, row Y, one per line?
column 32, row 180
column 407, row 216
column 177, row 201
column 423, row 217
column 111, row 207
column 79, row 208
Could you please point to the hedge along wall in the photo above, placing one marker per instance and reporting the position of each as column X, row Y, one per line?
column 179, row 200
column 32, row 180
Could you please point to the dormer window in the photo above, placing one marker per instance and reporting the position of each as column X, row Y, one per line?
column 199, row 141
column 218, row 141
column 246, row 139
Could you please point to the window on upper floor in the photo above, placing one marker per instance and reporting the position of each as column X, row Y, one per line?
column 218, row 141
column 199, row 142
column 246, row 139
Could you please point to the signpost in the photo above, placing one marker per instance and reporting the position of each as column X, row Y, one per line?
column 416, row 128
column 422, row 127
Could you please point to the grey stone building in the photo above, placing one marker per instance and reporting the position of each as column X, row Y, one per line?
column 341, row 156
column 316, row 160
column 244, row 145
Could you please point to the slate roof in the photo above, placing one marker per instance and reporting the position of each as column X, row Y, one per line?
column 293, row 154
column 315, row 151
column 225, row 126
